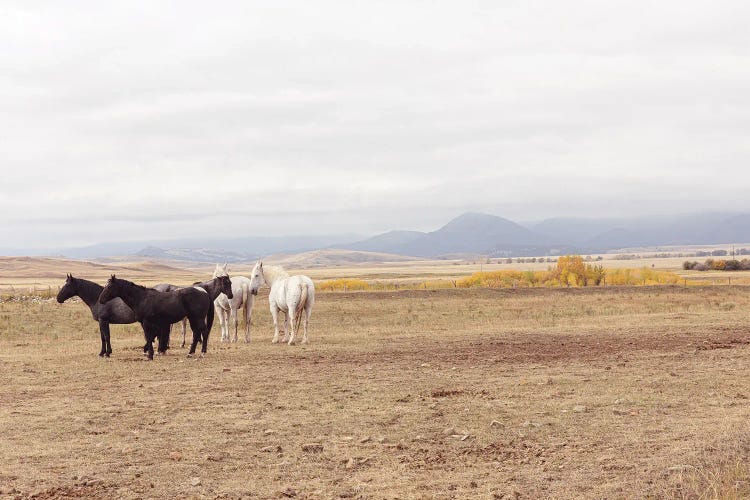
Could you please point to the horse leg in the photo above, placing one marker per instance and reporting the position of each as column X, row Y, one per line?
column 103, row 330
column 223, row 323
column 148, row 330
column 236, row 317
column 196, row 338
column 109, row 344
column 247, row 311
column 198, row 325
column 275, row 316
column 291, row 318
column 286, row 328
column 162, row 332
column 184, row 328
column 307, row 311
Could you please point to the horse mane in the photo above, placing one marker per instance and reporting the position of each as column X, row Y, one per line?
column 134, row 284
column 272, row 273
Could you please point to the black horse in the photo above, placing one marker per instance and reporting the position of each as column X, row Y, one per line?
column 156, row 311
column 115, row 312
column 214, row 287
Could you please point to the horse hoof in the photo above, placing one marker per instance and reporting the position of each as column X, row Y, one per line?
column 107, row 354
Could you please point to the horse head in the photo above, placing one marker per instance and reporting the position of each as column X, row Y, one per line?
column 68, row 290
column 111, row 290
column 257, row 278
column 225, row 285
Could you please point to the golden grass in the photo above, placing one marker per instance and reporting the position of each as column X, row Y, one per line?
column 548, row 393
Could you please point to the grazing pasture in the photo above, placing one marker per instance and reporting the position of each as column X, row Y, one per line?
column 528, row 393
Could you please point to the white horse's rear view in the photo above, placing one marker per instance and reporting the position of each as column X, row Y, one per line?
column 292, row 295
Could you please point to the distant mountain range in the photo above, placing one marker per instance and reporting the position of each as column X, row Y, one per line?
column 470, row 233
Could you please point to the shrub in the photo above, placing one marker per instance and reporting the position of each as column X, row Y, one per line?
column 342, row 284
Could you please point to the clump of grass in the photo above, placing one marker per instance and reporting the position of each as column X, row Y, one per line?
column 723, row 471
column 343, row 285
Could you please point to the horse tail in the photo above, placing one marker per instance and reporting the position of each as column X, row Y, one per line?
column 301, row 305
column 245, row 292
column 210, row 319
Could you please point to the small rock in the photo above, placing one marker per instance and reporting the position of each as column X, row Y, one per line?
column 365, row 439
column 312, row 447
column 464, row 437
column 218, row 456
column 268, row 432
column 579, row 409
column 195, row 481
column 270, row 449
column 449, row 431
column 496, row 423
column 175, row 455
column 680, row 468
column 425, row 365
column 226, row 370
column 289, row 493
column 351, row 463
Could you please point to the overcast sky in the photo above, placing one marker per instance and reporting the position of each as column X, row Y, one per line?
column 135, row 120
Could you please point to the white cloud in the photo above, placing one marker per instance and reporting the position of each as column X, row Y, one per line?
column 170, row 118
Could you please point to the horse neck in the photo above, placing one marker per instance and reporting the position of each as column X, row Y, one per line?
column 212, row 287
column 131, row 294
column 271, row 274
column 88, row 291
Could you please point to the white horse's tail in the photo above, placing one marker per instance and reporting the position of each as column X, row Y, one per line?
column 245, row 292
column 301, row 305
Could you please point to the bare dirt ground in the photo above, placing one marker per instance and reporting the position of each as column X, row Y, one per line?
column 533, row 393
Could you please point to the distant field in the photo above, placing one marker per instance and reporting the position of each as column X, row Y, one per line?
column 37, row 275
column 616, row 392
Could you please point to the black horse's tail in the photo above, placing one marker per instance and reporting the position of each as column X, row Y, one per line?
column 210, row 318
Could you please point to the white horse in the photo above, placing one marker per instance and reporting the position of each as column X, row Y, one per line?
column 292, row 295
column 229, row 308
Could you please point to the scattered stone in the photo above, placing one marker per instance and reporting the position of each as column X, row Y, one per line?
column 617, row 411
column 312, row 447
column 579, row 409
column 176, row 456
column 464, row 437
column 289, row 493
column 365, row 439
column 226, row 370
column 195, row 481
column 680, row 468
column 351, row 463
column 271, row 449
column 496, row 423
column 424, row 365
column 218, row 456
column 449, row 431
column 268, row 432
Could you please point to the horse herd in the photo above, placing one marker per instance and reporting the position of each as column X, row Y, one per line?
column 156, row 309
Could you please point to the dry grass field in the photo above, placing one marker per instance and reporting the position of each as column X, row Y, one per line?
column 530, row 393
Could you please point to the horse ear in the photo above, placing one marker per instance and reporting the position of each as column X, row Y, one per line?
column 260, row 263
